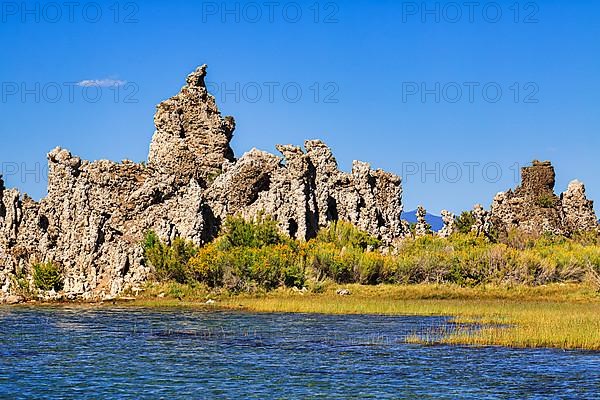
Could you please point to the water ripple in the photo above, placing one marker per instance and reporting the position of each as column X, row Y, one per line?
column 88, row 353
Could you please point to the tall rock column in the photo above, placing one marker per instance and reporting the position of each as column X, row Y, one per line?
column 328, row 181
column 422, row 228
column 532, row 207
column 578, row 210
column 482, row 220
column 448, row 219
column 191, row 138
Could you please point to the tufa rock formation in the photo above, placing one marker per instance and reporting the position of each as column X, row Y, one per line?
column 534, row 208
column 422, row 228
column 191, row 139
column 482, row 220
column 449, row 219
column 577, row 210
column 96, row 213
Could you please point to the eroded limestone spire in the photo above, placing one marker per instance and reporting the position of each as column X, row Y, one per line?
column 192, row 138
column 578, row 210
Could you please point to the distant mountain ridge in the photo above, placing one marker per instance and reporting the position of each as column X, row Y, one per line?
column 434, row 220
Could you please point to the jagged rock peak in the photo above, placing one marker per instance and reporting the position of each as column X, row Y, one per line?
column 64, row 157
column 533, row 207
column 192, row 139
column 196, row 78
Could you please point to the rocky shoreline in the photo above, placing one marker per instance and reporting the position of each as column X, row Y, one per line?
column 96, row 213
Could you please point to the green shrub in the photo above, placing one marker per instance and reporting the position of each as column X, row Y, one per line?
column 317, row 286
column 254, row 255
column 47, row 276
column 208, row 266
column 288, row 263
column 344, row 234
column 242, row 268
column 464, row 222
column 370, row 268
column 22, row 283
column 520, row 240
column 546, row 201
column 412, row 228
column 469, row 266
column 329, row 261
column 169, row 262
column 262, row 231
column 342, row 252
column 275, row 266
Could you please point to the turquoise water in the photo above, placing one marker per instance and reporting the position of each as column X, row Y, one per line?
column 83, row 353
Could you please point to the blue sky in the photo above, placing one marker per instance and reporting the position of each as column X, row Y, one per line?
column 451, row 97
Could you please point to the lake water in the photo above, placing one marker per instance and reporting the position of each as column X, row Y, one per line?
column 87, row 353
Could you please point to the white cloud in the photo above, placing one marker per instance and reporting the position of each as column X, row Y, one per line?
column 101, row 83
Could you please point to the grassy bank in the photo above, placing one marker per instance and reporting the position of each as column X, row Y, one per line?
column 560, row 315
column 522, row 291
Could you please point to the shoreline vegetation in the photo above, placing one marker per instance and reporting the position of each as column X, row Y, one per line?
column 565, row 316
column 521, row 291
column 562, row 316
